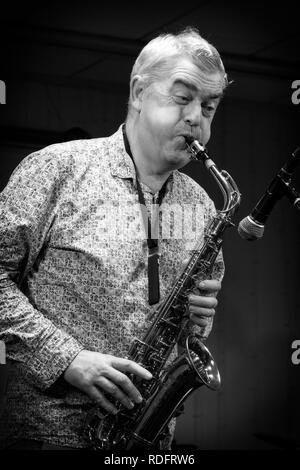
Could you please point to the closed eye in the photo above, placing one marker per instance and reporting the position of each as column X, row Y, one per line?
column 181, row 99
column 208, row 109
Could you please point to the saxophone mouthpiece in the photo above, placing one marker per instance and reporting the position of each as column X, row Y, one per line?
column 189, row 139
column 197, row 150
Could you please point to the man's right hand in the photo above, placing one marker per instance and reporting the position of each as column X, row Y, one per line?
column 95, row 373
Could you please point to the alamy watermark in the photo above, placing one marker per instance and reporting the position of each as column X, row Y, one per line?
column 295, row 357
column 2, row 353
column 128, row 221
column 2, row 92
column 296, row 94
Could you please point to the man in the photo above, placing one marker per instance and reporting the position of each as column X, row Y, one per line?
column 75, row 292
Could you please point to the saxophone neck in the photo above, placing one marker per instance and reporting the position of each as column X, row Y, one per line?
column 230, row 191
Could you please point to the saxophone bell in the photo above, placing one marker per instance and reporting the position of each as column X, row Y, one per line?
column 203, row 363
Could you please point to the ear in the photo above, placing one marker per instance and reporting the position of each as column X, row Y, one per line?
column 137, row 87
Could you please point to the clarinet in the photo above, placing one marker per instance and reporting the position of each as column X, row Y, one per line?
column 163, row 395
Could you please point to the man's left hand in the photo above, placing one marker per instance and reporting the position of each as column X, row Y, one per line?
column 202, row 306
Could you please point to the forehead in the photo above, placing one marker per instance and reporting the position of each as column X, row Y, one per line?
column 185, row 72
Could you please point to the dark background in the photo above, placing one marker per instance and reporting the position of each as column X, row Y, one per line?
column 66, row 68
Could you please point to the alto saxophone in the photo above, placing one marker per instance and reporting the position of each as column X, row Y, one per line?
column 164, row 394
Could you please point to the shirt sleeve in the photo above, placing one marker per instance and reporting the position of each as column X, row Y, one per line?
column 27, row 211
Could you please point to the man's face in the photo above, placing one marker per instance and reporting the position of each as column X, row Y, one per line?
column 182, row 104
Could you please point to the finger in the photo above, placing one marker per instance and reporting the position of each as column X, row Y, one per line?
column 201, row 321
column 202, row 301
column 125, row 365
column 101, row 400
column 200, row 311
column 125, row 384
column 210, row 285
column 109, row 387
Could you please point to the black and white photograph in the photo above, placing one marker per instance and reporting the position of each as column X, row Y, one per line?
column 149, row 229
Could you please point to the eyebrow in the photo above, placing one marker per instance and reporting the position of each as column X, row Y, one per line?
column 211, row 96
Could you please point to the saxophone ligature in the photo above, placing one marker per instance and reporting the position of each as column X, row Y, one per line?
column 171, row 384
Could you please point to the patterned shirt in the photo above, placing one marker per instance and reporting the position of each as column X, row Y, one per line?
column 73, row 273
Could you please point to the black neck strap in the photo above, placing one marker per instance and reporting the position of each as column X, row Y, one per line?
column 153, row 249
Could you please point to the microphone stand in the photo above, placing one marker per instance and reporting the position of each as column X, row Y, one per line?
column 290, row 192
column 285, row 179
column 293, row 196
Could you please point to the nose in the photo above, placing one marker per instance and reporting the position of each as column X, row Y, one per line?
column 193, row 114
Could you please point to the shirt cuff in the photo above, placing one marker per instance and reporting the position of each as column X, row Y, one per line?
column 50, row 361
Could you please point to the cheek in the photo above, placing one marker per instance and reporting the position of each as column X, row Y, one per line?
column 164, row 116
column 205, row 132
column 161, row 124
column 160, row 111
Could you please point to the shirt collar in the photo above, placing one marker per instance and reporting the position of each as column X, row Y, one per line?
column 120, row 162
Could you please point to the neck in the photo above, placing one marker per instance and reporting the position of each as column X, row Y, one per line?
column 149, row 170
column 152, row 181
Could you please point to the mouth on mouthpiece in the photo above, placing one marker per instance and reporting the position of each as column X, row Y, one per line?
column 189, row 139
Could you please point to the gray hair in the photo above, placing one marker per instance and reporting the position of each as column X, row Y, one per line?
column 155, row 60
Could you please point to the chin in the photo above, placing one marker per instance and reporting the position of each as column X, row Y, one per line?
column 179, row 159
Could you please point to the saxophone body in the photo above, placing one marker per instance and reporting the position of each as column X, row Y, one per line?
column 164, row 395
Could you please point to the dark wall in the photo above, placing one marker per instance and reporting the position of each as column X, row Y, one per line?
column 255, row 130
column 258, row 315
